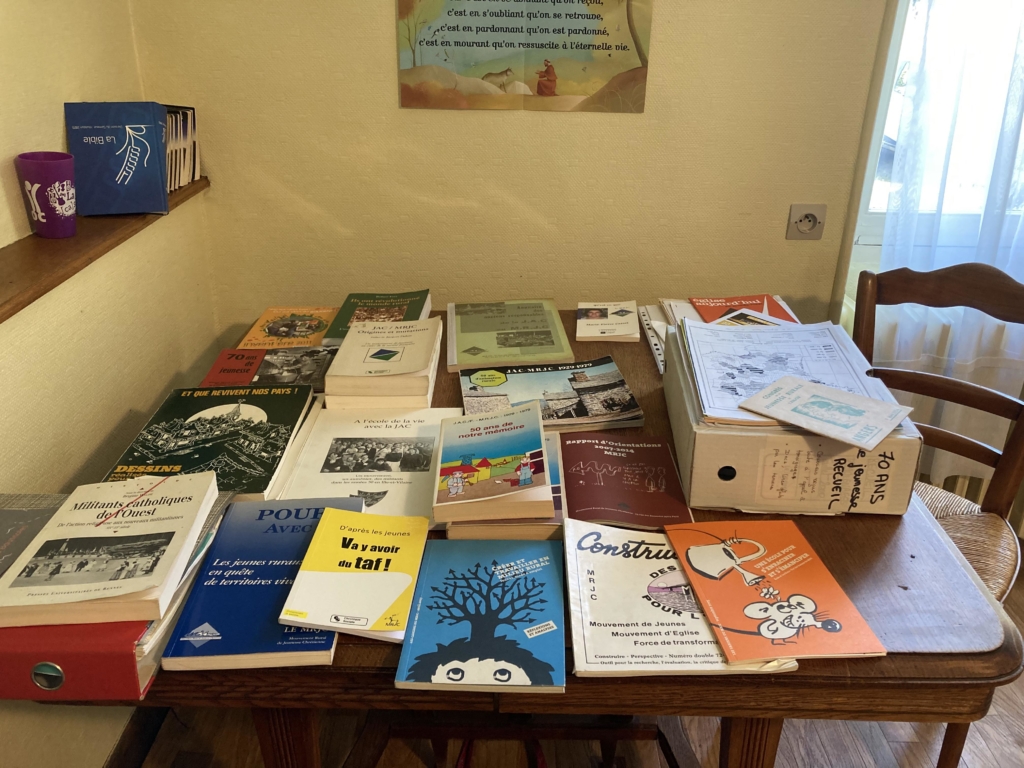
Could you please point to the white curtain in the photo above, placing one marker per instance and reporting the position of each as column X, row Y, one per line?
column 956, row 195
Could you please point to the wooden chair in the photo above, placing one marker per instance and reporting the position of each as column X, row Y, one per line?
column 980, row 532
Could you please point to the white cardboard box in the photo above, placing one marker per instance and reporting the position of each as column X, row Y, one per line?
column 781, row 468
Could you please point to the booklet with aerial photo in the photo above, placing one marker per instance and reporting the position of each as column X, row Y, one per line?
column 111, row 552
column 607, row 321
column 767, row 593
column 524, row 332
column 270, row 367
column 492, row 467
column 289, row 327
column 633, row 611
column 487, row 616
column 383, row 456
column 358, row 575
column 585, row 395
column 240, row 433
column 625, row 481
column 377, row 308
column 230, row 618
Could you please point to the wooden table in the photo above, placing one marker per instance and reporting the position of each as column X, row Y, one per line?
column 917, row 592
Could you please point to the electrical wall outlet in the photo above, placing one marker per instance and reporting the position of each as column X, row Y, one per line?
column 806, row 221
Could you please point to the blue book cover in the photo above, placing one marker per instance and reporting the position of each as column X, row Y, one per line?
column 487, row 616
column 230, row 619
column 120, row 155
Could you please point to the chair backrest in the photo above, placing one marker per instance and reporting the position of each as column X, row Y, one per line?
column 980, row 287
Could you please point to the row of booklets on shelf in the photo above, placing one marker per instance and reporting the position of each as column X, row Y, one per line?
column 332, row 501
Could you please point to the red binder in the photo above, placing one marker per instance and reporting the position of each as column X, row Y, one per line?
column 76, row 662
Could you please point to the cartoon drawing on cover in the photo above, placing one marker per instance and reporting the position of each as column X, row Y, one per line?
column 716, row 561
column 785, row 619
column 480, row 597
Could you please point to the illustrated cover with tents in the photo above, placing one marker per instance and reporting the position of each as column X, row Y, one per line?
column 487, row 616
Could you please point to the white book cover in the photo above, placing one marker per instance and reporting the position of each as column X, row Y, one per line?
column 633, row 611
column 382, row 455
column 387, row 349
column 111, row 540
column 607, row 320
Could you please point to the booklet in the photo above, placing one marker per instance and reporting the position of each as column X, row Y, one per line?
column 607, row 321
column 585, row 395
column 487, row 616
column 289, row 327
column 767, row 594
column 358, row 575
column 523, row 332
column 624, row 481
column 860, row 421
column 714, row 308
column 633, row 611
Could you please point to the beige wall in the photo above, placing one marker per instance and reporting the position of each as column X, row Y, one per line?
column 85, row 365
column 323, row 186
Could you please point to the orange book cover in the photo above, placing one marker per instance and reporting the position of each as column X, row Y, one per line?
column 712, row 309
column 767, row 594
column 281, row 327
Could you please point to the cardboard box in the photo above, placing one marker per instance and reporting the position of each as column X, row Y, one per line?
column 781, row 468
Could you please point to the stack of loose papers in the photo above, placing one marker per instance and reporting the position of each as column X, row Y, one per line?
column 733, row 363
column 385, row 365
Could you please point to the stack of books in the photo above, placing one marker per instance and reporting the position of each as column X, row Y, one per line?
column 385, row 365
column 93, row 587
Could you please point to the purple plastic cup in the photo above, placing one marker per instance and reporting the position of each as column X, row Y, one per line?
column 47, row 183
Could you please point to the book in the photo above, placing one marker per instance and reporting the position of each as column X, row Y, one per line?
column 358, row 575
column 487, row 616
column 523, row 332
column 95, row 662
column 607, row 321
column 625, row 481
column 536, row 530
column 270, row 367
column 585, row 395
column 120, row 156
column 633, row 611
column 240, row 433
column 230, row 618
column 383, row 456
column 492, row 467
column 281, row 327
column 379, row 362
column 18, row 527
column 711, row 309
column 291, row 456
column 111, row 552
column 377, row 308
column 767, row 594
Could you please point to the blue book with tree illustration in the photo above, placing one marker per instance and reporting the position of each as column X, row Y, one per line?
column 230, row 619
column 120, row 155
column 487, row 616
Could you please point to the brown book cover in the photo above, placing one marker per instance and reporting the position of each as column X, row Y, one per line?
column 630, row 482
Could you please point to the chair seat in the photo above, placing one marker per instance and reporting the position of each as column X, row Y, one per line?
column 985, row 540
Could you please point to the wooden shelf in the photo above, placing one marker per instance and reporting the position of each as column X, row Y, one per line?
column 34, row 266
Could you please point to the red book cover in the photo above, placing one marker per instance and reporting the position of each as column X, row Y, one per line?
column 615, row 480
column 712, row 309
column 767, row 593
column 74, row 662
column 234, row 368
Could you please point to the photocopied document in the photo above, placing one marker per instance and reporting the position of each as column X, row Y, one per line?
column 860, row 421
column 733, row 363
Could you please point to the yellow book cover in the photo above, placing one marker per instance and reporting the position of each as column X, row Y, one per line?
column 358, row 575
column 281, row 327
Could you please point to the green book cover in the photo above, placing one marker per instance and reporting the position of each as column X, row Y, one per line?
column 376, row 308
column 523, row 332
column 238, row 432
